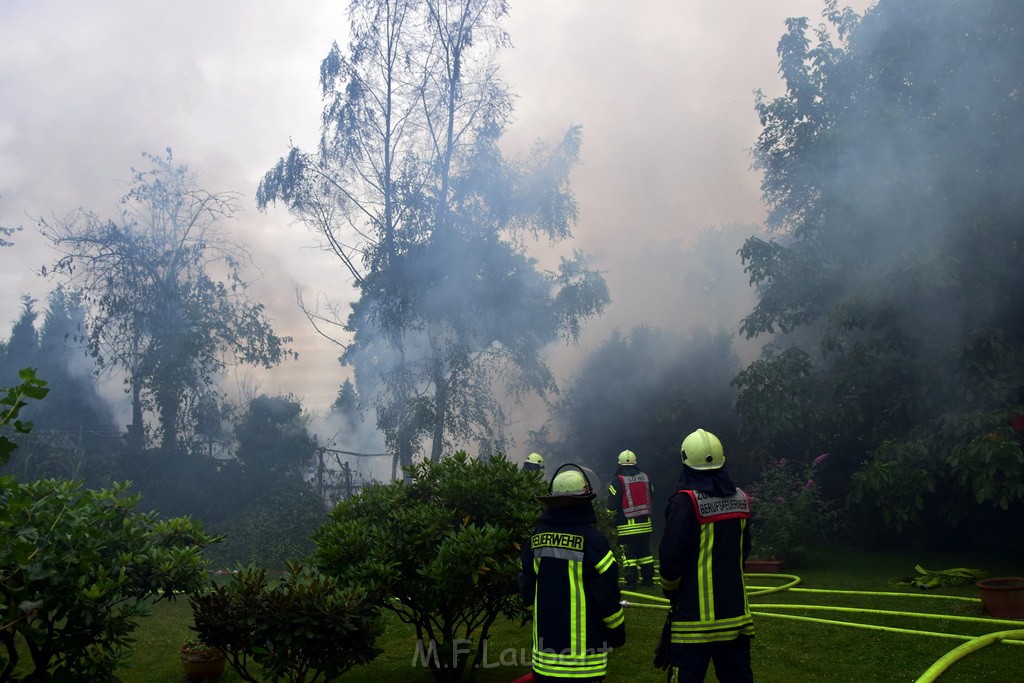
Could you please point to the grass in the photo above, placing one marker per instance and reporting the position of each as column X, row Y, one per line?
column 784, row 651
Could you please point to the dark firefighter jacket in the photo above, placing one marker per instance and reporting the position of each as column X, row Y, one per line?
column 629, row 476
column 571, row 579
column 705, row 543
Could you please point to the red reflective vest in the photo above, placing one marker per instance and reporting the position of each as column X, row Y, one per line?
column 636, row 495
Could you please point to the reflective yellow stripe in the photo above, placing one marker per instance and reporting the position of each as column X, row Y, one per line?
column 743, row 576
column 633, row 527
column 712, row 637
column 743, row 526
column 577, row 610
column 684, row 633
column 717, row 625
column 669, row 585
column 536, row 594
column 705, row 577
column 589, row 665
column 605, row 564
column 688, row 632
column 615, row 620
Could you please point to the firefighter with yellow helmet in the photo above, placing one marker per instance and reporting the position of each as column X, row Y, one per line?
column 631, row 497
column 570, row 578
column 702, row 551
column 534, row 462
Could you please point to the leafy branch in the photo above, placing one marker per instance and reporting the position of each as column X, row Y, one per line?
column 31, row 387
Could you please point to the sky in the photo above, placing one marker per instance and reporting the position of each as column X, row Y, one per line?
column 663, row 89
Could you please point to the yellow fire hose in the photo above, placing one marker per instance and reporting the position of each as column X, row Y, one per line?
column 973, row 644
column 947, row 660
column 934, row 596
column 919, row 615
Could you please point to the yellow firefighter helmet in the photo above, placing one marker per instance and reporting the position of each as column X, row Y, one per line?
column 572, row 485
column 702, row 450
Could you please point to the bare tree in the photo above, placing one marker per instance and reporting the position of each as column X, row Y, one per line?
column 7, row 232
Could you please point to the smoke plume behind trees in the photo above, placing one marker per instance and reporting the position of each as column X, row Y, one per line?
column 891, row 163
column 666, row 124
column 893, row 170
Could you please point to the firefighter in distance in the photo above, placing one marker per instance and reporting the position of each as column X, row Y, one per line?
column 631, row 496
column 534, row 462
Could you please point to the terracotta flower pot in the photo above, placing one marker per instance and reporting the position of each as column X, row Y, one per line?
column 206, row 666
column 753, row 566
column 1003, row 597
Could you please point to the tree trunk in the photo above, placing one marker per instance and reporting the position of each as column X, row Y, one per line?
column 440, row 418
column 136, row 440
column 136, row 430
column 170, row 405
column 404, row 456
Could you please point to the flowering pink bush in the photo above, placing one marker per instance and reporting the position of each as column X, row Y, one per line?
column 788, row 513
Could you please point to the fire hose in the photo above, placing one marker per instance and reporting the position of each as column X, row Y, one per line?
column 973, row 643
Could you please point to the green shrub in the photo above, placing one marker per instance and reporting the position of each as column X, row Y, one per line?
column 271, row 527
column 303, row 627
column 442, row 552
column 77, row 568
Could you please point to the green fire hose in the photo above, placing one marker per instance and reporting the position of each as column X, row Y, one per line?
column 973, row 644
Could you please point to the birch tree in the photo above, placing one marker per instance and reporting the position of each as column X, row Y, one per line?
column 429, row 220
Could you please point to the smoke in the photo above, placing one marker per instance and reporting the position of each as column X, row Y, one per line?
column 924, row 169
column 362, row 443
column 666, row 116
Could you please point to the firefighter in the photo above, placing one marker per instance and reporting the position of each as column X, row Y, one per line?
column 570, row 578
column 705, row 543
column 534, row 461
column 631, row 496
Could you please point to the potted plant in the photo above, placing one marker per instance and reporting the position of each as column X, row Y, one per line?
column 202, row 662
column 1003, row 596
column 766, row 562
column 787, row 514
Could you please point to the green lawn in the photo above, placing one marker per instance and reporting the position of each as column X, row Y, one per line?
column 784, row 651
